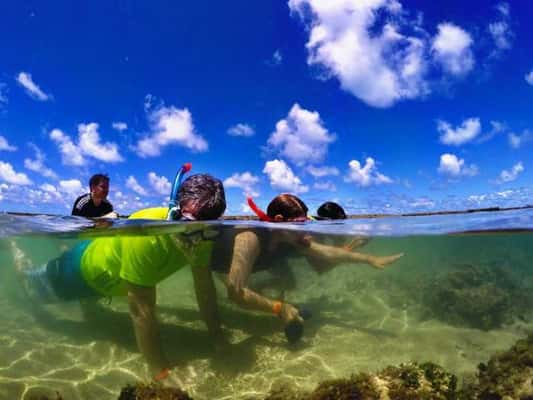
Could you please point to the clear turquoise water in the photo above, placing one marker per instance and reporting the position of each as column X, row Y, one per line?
column 454, row 299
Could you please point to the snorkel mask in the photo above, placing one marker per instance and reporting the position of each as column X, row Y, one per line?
column 173, row 205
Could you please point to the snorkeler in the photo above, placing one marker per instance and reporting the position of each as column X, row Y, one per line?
column 132, row 266
column 330, row 210
column 243, row 252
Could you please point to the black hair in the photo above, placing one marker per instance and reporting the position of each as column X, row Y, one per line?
column 96, row 179
column 206, row 192
column 331, row 210
column 288, row 206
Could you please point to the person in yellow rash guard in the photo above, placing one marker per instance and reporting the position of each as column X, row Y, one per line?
column 132, row 266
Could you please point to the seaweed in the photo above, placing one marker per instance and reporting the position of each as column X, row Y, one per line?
column 508, row 375
column 152, row 392
column 476, row 296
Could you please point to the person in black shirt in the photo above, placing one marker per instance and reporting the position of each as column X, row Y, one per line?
column 95, row 203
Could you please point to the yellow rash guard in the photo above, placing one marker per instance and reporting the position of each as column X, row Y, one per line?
column 142, row 260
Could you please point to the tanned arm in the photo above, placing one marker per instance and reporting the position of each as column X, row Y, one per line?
column 245, row 252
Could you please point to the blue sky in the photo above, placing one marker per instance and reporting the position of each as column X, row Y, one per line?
column 381, row 105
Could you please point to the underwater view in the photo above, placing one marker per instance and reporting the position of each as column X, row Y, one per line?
column 456, row 298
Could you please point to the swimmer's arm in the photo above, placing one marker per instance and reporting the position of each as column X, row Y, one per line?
column 142, row 302
column 245, row 252
column 324, row 258
column 206, row 297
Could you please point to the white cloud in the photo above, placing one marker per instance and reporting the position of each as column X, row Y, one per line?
column 500, row 30
column 70, row 153
column 452, row 49
column 301, row 137
column 47, row 187
column 159, row 183
column 509, row 176
column 8, row 174
column 367, row 175
column 529, row 77
column 326, row 186
column 170, row 125
column 281, row 177
column 246, row 181
column 241, row 130
column 72, row 187
column 4, row 145
column 119, row 126
column 277, row 58
column 516, row 141
column 452, row 166
column 319, row 172
column 37, row 165
column 377, row 64
column 132, row 184
column 32, row 89
column 3, row 95
column 89, row 143
column 468, row 130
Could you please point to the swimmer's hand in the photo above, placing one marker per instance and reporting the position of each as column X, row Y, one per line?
column 290, row 313
column 112, row 214
column 169, row 378
column 381, row 262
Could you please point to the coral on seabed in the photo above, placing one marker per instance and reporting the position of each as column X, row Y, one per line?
column 508, row 375
column 476, row 296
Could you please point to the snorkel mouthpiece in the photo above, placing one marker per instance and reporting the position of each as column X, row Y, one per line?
column 174, row 198
column 257, row 211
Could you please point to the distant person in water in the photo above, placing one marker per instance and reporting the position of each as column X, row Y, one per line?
column 133, row 265
column 330, row 210
column 241, row 252
column 95, row 204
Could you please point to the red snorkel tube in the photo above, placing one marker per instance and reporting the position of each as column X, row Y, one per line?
column 260, row 213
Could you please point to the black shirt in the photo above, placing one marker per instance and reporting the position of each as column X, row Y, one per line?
column 84, row 207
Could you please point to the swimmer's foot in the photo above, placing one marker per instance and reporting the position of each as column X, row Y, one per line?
column 382, row 262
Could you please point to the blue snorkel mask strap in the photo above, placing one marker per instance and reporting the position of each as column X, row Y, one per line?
column 173, row 204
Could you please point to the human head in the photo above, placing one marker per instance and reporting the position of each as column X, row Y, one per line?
column 331, row 210
column 99, row 186
column 202, row 197
column 287, row 207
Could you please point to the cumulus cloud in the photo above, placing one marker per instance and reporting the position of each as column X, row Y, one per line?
column 72, row 187
column 159, row 183
column 9, row 175
column 281, row 177
column 325, row 186
column 529, row 77
column 170, row 125
column 32, row 89
column 301, row 137
column 367, row 175
column 132, row 184
column 462, row 134
column 90, row 145
column 5, row 146
column 452, row 49
column 518, row 140
column 320, row 172
column 37, row 164
column 452, row 166
column 378, row 65
column 246, row 181
column 510, row 175
column 500, row 30
column 241, row 130
column 70, row 153
column 3, row 95
column 119, row 126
